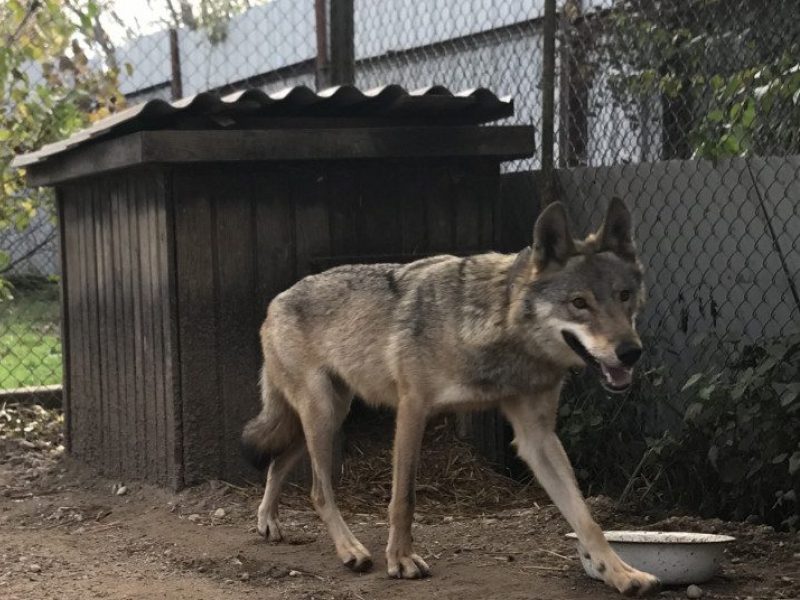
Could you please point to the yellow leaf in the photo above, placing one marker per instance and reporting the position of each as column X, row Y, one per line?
column 98, row 114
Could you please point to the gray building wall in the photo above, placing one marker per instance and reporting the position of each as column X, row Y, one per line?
column 715, row 275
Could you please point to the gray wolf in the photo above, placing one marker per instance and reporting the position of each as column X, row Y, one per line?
column 446, row 334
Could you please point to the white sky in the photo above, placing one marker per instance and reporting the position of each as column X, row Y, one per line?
column 140, row 16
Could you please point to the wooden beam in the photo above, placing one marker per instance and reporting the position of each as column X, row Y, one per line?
column 48, row 396
column 66, row 363
column 173, row 147
column 88, row 160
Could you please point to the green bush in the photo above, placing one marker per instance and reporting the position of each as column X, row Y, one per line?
column 732, row 452
column 747, row 419
column 604, row 434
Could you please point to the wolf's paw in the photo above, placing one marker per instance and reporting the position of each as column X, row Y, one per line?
column 269, row 529
column 631, row 582
column 355, row 557
column 410, row 566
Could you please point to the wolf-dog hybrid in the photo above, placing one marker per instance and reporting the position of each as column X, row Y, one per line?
column 446, row 334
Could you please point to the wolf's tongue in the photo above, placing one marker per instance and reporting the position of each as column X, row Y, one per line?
column 616, row 376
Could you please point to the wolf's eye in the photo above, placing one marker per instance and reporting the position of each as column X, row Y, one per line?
column 580, row 303
column 625, row 295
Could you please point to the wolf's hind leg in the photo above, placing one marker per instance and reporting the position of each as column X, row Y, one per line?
column 322, row 409
column 279, row 469
column 401, row 561
column 533, row 420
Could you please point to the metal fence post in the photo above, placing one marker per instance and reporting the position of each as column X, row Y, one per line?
column 176, row 79
column 548, row 100
column 335, row 64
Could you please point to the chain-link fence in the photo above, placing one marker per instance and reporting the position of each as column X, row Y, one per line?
column 462, row 45
column 713, row 88
column 30, row 346
column 688, row 109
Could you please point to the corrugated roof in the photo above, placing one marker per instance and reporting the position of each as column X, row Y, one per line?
column 478, row 105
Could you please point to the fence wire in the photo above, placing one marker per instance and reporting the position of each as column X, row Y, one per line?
column 30, row 346
column 688, row 109
column 462, row 45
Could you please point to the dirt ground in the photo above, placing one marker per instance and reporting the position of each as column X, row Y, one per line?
column 66, row 533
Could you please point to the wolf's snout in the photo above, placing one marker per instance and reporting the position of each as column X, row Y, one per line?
column 628, row 353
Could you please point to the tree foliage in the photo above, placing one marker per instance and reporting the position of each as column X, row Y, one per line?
column 727, row 71
column 210, row 16
column 725, row 445
column 56, row 76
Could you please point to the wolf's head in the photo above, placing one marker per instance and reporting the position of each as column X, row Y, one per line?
column 577, row 300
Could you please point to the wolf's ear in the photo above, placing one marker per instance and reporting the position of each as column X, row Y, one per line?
column 616, row 232
column 520, row 266
column 552, row 240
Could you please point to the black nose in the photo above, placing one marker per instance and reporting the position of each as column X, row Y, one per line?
column 628, row 353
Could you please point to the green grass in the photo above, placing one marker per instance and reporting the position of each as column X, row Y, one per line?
column 30, row 343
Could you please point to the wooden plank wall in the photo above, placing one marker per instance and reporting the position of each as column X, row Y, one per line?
column 267, row 226
column 169, row 274
column 118, row 308
column 519, row 204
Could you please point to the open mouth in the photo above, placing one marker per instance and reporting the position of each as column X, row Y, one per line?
column 614, row 379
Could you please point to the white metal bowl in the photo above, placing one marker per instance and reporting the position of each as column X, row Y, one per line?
column 674, row 557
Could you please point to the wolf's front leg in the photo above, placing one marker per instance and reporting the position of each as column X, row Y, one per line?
column 401, row 561
column 533, row 420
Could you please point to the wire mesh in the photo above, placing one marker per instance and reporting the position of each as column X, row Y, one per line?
column 690, row 110
column 75, row 62
column 461, row 45
column 30, row 347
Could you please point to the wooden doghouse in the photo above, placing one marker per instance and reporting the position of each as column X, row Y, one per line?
column 180, row 222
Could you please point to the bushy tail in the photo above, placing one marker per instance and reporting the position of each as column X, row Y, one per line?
column 272, row 430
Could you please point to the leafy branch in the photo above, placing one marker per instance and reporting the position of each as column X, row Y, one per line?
column 49, row 89
column 727, row 78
